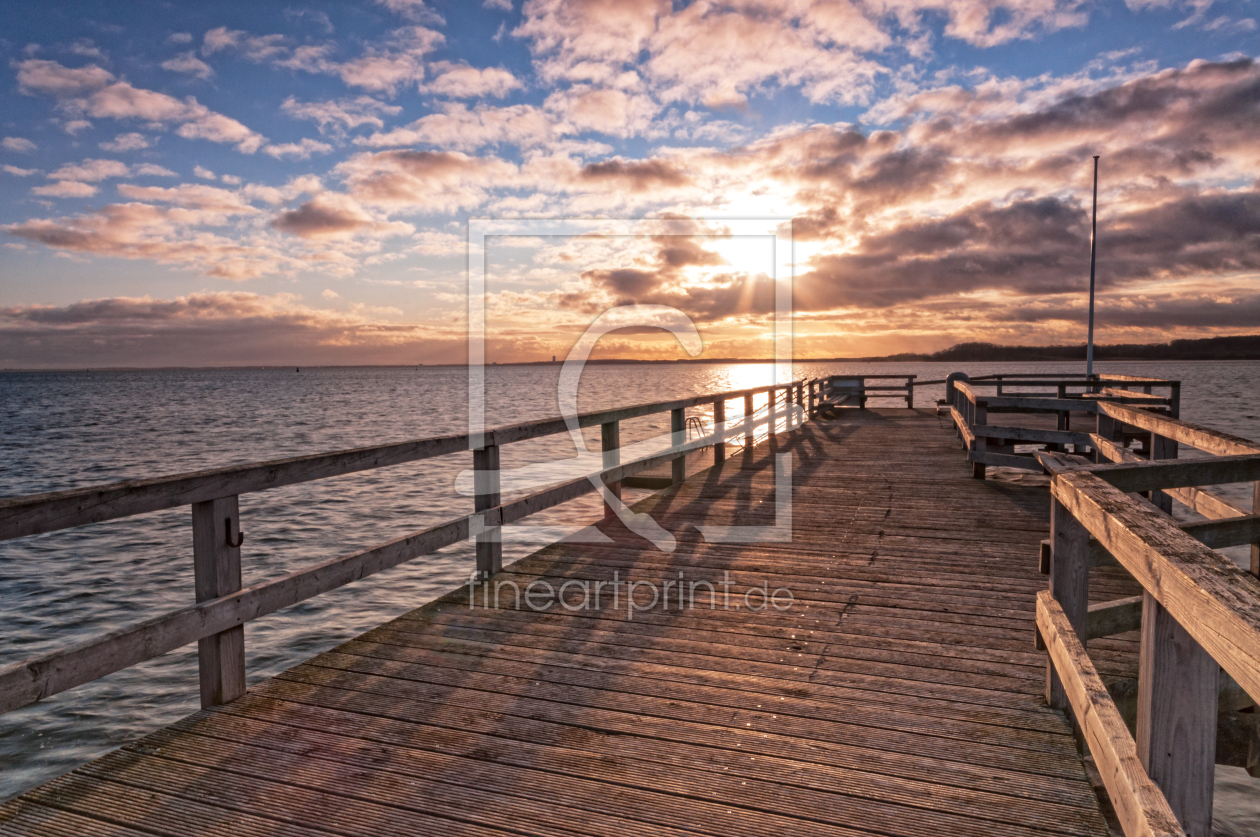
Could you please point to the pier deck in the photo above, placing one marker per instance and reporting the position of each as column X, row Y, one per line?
column 900, row 695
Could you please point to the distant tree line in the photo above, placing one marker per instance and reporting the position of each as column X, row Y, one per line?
column 1239, row 347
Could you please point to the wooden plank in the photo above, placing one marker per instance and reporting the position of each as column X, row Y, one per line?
column 1114, row 617
column 1176, row 716
column 1217, row 603
column 1203, row 438
column 1139, row 804
column 1136, row 397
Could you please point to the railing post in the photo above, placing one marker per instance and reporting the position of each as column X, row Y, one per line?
column 800, row 401
column 217, row 572
column 862, row 393
column 813, row 385
column 1069, row 584
column 910, row 391
column 979, row 415
column 678, row 436
column 486, row 486
column 1176, row 717
column 1106, row 427
column 748, row 425
column 771, row 415
column 719, row 419
column 999, row 384
column 610, row 441
column 1162, row 448
column 1255, row 547
column 1174, row 396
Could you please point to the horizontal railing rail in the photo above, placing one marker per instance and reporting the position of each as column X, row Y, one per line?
column 222, row 608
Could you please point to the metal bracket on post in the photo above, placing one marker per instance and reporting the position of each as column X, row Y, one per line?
column 486, row 486
column 217, row 572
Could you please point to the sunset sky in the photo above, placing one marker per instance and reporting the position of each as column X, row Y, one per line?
column 290, row 183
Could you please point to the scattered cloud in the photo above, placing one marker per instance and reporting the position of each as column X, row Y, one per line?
column 92, row 91
column 204, row 173
column 332, row 215
column 21, row 145
column 65, row 189
column 457, row 127
column 17, row 172
column 341, row 114
column 299, row 150
column 91, row 170
column 460, row 81
column 190, row 64
column 126, row 142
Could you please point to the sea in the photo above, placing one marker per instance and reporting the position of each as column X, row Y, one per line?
column 71, row 429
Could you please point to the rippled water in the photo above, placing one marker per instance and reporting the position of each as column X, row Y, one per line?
column 68, row 430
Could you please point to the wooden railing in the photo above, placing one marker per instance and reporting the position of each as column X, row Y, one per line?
column 853, row 390
column 991, row 444
column 222, row 607
column 1198, row 614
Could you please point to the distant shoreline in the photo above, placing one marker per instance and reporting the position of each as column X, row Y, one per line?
column 1217, row 349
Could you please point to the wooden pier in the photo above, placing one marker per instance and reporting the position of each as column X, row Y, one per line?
column 900, row 693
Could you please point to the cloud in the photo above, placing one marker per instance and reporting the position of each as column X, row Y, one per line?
column 19, row 144
column 633, row 175
column 65, row 189
column 459, row 81
column 414, row 10
column 214, row 329
column 190, row 64
column 153, row 170
column 204, row 173
column 424, row 181
column 91, row 91
column 180, row 38
column 75, row 125
column 126, row 142
column 301, row 150
column 457, row 127
column 91, row 170
column 331, row 215
column 17, row 172
column 257, row 48
column 166, row 235
column 500, row 5
column 606, row 110
column 210, row 199
column 39, row 77
column 343, row 114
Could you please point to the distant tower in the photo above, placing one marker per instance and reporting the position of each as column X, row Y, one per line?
column 553, row 358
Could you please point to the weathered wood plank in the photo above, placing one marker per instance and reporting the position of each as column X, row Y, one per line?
column 1203, row 438
column 1140, row 806
column 1215, row 601
column 1114, row 617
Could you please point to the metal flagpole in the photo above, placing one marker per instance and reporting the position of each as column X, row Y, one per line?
column 1093, row 248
